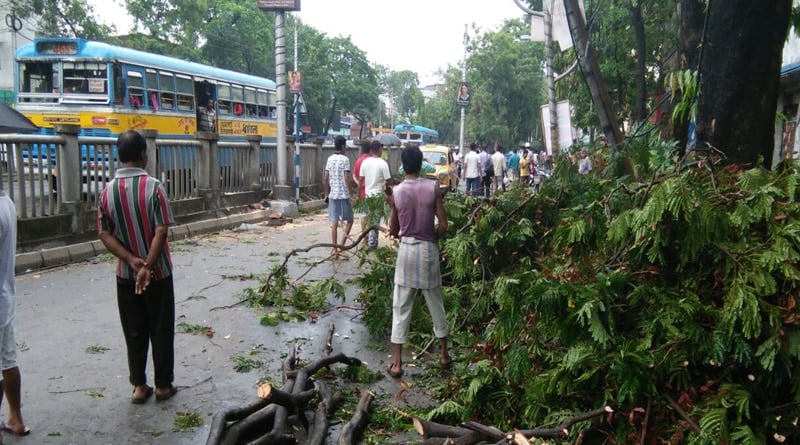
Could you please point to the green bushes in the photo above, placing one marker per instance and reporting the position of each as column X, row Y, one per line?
column 669, row 300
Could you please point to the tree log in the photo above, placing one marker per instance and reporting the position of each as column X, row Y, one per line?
column 563, row 429
column 319, row 429
column 428, row 429
column 352, row 429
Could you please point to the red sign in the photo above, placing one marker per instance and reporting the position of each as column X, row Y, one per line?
column 279, row 5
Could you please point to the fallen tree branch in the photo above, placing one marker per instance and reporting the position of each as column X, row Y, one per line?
column 352, row 429
column 680, row 411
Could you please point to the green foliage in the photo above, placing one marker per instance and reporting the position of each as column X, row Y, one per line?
column 292, row 301
column 685, row 84
column 603, row 291
column 243, row 363
column 186, row 421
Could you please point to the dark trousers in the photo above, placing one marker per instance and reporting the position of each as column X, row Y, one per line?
column 148, row 318
column 487, row 185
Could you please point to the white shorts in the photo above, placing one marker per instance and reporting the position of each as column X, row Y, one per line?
column 403, row 304
column 8, row 348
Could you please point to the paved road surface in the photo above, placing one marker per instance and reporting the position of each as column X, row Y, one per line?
column 73, row 396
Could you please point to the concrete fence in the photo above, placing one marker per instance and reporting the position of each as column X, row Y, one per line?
column 55, row 180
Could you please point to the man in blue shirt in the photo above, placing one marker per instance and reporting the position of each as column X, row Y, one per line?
column 513, row 166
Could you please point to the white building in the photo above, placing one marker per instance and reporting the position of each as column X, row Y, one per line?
column 14, row 32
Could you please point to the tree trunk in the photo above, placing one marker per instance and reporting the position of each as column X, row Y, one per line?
column 690, row 20
column 640, row 112
column 739, row 78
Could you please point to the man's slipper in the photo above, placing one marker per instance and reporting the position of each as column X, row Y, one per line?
column 5, row 428
column 140, row 400
column 167, row 395
column 394, row 374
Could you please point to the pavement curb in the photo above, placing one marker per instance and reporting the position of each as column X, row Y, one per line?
column 59, row 256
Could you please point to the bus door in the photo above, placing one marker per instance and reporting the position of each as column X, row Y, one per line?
column 203, row 92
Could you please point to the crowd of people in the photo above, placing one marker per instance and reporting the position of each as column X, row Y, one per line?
column 486, row 172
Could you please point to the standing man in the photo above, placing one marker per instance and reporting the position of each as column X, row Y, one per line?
column 208, row 117
column 337, row 182
column 585, row 163
column 472, row 170
column 365, row 148
column 374, row 174
column 499, row 164
column 10, row 380
column 416, row 203
column 486, row 177
column 133, row 219
column 513, row 166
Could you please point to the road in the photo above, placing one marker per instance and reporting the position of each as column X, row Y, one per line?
column 72, row 354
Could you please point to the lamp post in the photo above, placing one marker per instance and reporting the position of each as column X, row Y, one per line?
column 463, row 80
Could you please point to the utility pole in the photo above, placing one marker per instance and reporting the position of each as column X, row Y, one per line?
column 547, row 16
column 280, row 79
column 463, row 80
column 551, row 83
column 296, row 127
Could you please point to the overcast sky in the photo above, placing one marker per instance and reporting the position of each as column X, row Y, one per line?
column 418, row 35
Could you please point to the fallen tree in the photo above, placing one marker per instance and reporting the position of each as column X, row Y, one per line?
column 265, row 420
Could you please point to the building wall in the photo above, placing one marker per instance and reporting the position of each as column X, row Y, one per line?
column 9, row 42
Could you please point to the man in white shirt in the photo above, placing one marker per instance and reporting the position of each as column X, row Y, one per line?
column 374, row 173
column 499, row 164
column 472, row 170
column 337, row 183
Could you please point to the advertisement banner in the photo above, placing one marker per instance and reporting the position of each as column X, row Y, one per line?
column 463, row 96
column 565, row 130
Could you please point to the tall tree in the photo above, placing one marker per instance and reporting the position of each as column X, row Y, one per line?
column 404, row 93
column 506, row 80
column 739, row 77
column 67, row 18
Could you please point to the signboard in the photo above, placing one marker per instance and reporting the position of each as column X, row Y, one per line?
column 565, row 135
column 279, row 5
column 295, row 82
column 561, row 26
column 463, row 96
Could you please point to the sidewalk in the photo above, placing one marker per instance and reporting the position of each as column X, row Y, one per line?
column 72, row 358
column 73, row 253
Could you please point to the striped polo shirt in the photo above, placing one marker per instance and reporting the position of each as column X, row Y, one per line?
column 131, row 206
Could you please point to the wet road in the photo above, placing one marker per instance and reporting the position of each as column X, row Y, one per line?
column 72, row 354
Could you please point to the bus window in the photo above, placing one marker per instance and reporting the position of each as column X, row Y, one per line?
column 250, row 98
column 262, row 101
column 185, row 93
column 166, row 84
column 85, row 78
column 38, row 79
column 237, row 96
column 135, row 89
column 224, row 98
column 119, row 85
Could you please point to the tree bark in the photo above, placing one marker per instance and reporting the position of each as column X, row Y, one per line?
column 352, row 429
column 739, row 78
column 640, row 110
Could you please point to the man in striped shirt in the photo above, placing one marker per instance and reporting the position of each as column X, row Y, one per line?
column 133, row 218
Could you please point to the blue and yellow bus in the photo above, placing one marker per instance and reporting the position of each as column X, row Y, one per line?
column 416, row 134
column 109, row 89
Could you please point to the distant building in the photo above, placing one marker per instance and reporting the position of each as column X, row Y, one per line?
column 787, row 138
column 14, row 32
column 429, row 91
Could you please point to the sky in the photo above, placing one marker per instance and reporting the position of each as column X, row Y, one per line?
column 418, row 35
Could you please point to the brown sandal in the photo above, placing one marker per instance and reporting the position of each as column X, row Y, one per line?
column 168, row 395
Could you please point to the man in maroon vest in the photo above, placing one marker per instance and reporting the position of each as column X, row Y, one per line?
column 417, row 204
